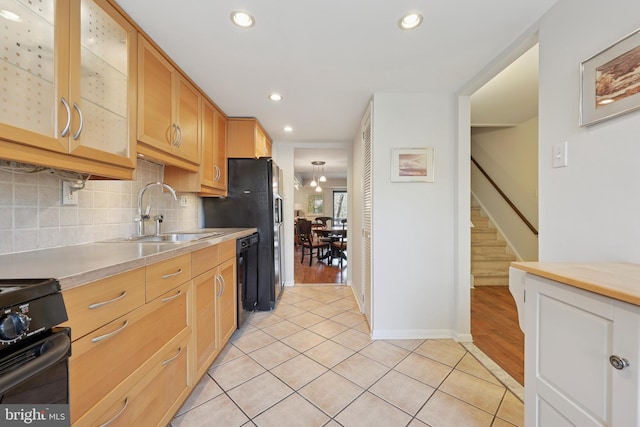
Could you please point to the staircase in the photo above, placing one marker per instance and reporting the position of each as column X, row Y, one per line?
column 489, row 257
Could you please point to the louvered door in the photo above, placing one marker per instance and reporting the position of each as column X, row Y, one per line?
column 367, row 208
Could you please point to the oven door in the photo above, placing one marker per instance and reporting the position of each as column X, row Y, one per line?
column 37, row 372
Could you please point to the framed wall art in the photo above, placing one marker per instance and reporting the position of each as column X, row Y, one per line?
column 315, row 204
column 412, row 165
column 610, row 81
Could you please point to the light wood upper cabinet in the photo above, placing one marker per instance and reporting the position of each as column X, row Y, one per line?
column 219, row 151
column 247, row 139
column 168, row 111
column 211, row 178
column 70, row 72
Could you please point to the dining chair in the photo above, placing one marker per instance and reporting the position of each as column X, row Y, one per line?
column 310, row 242
column 323, row 220
column 339, row 247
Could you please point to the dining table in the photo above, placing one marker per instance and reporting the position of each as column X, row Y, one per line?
column 332, row 234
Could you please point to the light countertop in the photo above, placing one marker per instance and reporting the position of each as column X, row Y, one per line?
column 620, row 281
column 79, row 264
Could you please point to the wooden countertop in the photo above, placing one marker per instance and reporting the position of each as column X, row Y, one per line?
column 80, row 264
column 620, row 281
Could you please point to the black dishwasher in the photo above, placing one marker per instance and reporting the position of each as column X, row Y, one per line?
column 247, row 259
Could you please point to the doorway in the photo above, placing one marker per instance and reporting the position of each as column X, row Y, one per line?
column 310, row 164
column 503, row 175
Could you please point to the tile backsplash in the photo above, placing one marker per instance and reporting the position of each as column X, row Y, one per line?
column 32, row 215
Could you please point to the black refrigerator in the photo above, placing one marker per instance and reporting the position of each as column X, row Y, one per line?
column 254, row 200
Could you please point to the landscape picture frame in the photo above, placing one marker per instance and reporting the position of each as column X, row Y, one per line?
column 610, row 81
column 412, row 165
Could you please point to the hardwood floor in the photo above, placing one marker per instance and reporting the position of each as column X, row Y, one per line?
column 495, row 330
column 319, row 271
column 494, row 317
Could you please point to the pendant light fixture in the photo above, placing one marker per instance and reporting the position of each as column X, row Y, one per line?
column 313, row 178
column 316, row 183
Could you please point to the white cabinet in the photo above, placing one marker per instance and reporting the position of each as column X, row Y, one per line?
column 570, row 335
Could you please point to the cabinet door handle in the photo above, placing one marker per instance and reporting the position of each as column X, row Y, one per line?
column 218, row 173
column 126, row 403
column 174, row 141
column 171, row 359
column 618, row 362
column 221, row 282
column 167, row 299
column 100, row 304
column 179, row 142
column 65, row 131
column 168, row 276
column 77, row 108
column 110, row 334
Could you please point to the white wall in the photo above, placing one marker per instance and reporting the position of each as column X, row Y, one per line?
column 32, row 216
column 413, row 223
column 510, row 157
column 589, row 209
column 328, row 187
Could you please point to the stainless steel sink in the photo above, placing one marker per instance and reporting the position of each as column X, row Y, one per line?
column 171, row 237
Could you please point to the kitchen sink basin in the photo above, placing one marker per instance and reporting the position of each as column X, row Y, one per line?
column 171, row 237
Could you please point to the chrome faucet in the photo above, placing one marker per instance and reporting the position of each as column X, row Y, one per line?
column 142, row 217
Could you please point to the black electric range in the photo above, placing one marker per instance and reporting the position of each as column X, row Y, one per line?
column 34, row 351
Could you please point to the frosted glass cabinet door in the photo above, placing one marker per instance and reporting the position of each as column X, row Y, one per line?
column 28, row 97
column 66, row 83
column 106, row 92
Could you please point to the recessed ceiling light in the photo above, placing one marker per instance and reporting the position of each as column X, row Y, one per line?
column 288, row 129
column 410, row 21
column 275, row 97
column 242, row 19
column 7, row 14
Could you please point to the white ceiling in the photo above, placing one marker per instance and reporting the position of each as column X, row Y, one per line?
column 336, row 162
column 327, row 58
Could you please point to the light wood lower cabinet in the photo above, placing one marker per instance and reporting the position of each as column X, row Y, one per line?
column 166, row 275
column 102, row 360
column 215, row 302
column 227, row 300
column 98, row 303
column 153, row 399
column 142, row 339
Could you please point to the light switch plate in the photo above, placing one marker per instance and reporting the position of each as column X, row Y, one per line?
column 560, row 155
column 69, row 198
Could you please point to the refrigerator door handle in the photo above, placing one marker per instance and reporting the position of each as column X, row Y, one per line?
column 279, row 218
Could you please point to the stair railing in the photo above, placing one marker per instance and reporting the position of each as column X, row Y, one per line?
column 506, row 199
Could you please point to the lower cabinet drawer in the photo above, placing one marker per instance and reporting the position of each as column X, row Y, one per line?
column 93, row 305
column 101, row 360
column 150, row 402
column 226, row 250
column 166, row 275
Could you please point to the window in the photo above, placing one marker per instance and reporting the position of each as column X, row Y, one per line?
column 340, row 204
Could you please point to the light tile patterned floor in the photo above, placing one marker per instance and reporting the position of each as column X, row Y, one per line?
column 310, row 362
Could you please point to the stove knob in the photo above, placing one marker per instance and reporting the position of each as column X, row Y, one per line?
column 13, row 325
